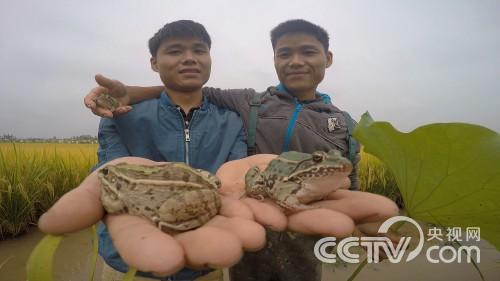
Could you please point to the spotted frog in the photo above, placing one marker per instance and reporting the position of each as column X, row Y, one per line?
column 175, row 196
column 107, row 101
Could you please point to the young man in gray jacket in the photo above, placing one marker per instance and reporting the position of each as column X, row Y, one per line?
column 290, row 116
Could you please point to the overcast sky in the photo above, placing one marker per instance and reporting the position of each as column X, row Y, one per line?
column 407, row 62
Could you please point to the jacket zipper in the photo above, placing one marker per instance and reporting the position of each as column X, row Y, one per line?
column 187, row 135
column 187, row 139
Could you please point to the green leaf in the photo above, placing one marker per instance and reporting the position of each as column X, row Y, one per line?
column 358, row 269
column 39, row 265
column 448, row 173
column 129, row 276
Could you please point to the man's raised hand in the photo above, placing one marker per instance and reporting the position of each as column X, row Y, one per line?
column 112, row 87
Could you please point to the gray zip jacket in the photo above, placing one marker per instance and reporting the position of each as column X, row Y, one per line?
column 309, row 126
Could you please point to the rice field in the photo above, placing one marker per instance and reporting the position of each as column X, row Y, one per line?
column 375, row 177
column 33, row 176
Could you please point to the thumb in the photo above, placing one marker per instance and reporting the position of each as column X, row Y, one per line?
column 106, row 82
column 75, row 210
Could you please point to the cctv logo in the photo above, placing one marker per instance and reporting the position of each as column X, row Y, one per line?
column 372, row 244
column 395, row 254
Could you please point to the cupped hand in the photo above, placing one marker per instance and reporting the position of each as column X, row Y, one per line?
column 112, row 87
column 219, row 243
column 340, row 213
column 324, row 220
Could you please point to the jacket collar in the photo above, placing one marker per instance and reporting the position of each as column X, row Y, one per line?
column 167, row 102
column 324, row 97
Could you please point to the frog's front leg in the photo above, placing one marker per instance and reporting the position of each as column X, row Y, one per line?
column 188, row 210
column 111, row 200
column 284, row 193
column 255, row 184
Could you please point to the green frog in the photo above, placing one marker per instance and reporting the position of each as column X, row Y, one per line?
column 295, row 179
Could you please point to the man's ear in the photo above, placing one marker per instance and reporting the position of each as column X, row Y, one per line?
column 154, row 65
column 329, row 59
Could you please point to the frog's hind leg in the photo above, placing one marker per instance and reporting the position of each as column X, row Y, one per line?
column 177, row 227
column 292, row 205
column 254, row 184
column 285, row 195
column 111, row 200
column 188, row 210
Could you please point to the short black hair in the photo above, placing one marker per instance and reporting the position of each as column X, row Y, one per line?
column 179, row 29
column 300, row 26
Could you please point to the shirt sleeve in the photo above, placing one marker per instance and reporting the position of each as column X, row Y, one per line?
column 237, row 100
column 111, row 145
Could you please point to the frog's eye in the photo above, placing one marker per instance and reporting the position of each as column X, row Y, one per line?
column 317, row 157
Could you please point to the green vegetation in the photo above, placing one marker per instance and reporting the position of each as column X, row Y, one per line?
column 34, row 176
column 447, row 172
column 375, row 177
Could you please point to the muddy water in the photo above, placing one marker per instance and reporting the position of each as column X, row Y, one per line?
column 73, row 258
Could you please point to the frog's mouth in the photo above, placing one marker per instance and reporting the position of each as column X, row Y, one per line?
column 325, row 171
column 325, row 182
column 317, row 188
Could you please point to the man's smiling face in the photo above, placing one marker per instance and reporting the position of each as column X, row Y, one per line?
column 300, row 61
column 183, row 63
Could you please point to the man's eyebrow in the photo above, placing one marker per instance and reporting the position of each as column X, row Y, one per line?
column 302, row 47
column 282, row 49
column 200, row 45
column 174, row 45
column 306, row 46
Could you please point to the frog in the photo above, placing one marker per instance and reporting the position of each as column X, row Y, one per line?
column 107, row 101
column 292, row 174
column 174, row 196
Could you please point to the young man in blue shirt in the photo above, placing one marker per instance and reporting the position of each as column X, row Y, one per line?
column 180, row 126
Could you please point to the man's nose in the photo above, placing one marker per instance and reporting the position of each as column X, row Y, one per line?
column 296, row 60
column 189, row 58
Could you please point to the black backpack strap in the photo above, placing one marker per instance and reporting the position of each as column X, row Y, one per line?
column 351, row 141
column 252, row 123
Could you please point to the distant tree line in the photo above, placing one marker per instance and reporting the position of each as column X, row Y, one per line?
column 75, row 139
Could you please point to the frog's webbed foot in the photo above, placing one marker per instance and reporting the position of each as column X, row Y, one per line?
column 175, row 227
